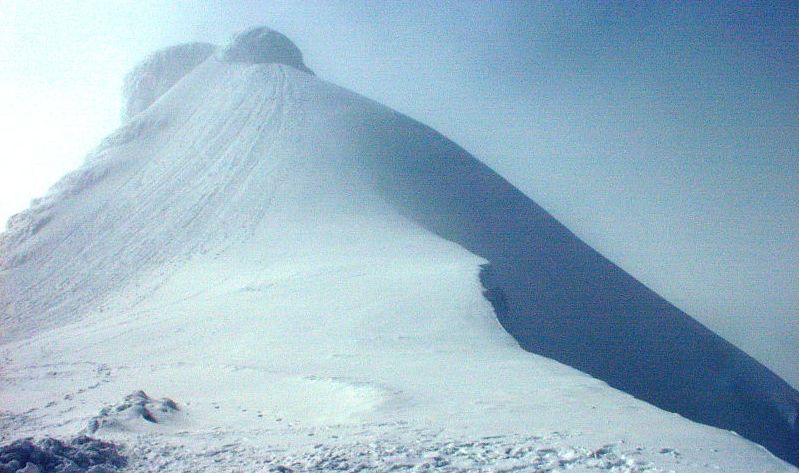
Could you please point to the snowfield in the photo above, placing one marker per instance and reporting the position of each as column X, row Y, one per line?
column 360, row 377
column 231, row 283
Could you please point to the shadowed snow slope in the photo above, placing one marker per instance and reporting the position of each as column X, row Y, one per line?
column 258, row 241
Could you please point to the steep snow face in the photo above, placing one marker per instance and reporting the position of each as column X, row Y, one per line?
column 561, row 299
column 263, row 46
column 259, row 241
column 155, row 75
column 197, row 171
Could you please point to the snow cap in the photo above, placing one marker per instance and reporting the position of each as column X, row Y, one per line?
column 262, row 45
column 157, row 73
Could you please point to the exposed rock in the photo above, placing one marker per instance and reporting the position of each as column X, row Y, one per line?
column 136, row 409
column 49, row 455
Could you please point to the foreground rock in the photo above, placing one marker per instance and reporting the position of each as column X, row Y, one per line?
column 137, row 408
column 49, row 455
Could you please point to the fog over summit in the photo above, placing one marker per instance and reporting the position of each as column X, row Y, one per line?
column 284, row 258
column 158, row 73
column 261, row 45
column 162, row 69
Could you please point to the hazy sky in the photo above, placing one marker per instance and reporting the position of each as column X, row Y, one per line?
column 667, row 136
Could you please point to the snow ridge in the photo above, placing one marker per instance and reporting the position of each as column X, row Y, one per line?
column 151, row 78
column 306, row 257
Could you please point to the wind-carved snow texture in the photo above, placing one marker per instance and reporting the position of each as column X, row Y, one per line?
column 303, row 256
column 158, row 73
column 427, row 453
column 106, row 250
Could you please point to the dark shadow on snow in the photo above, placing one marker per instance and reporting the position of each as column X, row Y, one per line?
column 561, row 299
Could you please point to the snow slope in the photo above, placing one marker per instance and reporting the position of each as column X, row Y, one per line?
column 302, row 271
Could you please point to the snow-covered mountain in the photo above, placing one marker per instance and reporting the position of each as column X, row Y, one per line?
column 310, row 275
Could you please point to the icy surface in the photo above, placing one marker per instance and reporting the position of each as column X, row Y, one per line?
column 295, row 265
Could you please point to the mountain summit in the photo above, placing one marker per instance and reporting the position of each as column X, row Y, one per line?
column 285, row 258
column 263, row 46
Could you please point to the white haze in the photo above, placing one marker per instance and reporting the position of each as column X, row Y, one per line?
column 699, row 206
column 262, row 248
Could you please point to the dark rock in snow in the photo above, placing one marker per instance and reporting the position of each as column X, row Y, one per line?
column 555, row 294
column 49, row 455
column 137, row 407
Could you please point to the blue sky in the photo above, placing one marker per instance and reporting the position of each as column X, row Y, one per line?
column 666, row 135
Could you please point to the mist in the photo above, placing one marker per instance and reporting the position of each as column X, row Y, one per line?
column 667, row 137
